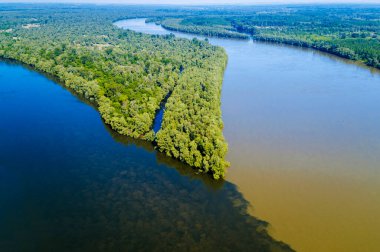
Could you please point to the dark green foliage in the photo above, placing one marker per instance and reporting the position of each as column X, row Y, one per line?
column 127, row 74
column 203, row 27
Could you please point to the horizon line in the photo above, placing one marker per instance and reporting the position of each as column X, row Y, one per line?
column 194, row 4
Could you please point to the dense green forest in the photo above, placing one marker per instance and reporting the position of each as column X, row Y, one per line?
column 349, row 31
column 127, row 74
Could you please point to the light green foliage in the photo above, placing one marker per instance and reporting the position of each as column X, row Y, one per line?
column 192, row 125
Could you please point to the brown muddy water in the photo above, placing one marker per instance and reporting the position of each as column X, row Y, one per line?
column 303, row 129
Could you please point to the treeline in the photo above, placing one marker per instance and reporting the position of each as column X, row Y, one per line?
column 349, row 32
column 366, row 51
column 127, row 75
column 352, row 32
column 209, row 31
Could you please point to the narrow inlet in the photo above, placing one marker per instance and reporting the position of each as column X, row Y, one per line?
column 160, row 114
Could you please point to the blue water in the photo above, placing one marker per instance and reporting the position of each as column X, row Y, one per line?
column 160, row 113
column 158, row 119
column 69, row 183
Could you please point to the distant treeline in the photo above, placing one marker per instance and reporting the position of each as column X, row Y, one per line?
column 218, row 30
column 352, row 32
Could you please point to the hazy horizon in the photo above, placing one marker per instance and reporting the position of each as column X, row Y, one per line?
column 199, row 2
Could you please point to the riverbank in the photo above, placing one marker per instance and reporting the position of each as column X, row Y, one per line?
column 323, row 47
column 332, row 29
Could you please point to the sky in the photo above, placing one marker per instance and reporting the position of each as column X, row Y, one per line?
column 192, row 2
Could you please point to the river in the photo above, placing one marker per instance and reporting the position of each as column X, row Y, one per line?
column 303, row 129
column 69, row 183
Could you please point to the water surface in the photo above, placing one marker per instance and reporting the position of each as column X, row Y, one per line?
column 303, row 129
column 69, row 183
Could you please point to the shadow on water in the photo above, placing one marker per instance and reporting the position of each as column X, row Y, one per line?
column 230, row 206
column 162, row 159
column 68, row 186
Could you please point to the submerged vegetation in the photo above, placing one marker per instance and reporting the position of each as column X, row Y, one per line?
column 349, row 31
column 127, row 75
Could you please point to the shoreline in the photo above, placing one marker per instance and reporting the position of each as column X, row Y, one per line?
column 284, row 41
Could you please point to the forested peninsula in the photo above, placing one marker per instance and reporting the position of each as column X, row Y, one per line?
column 348, row 31
column 127, row 75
